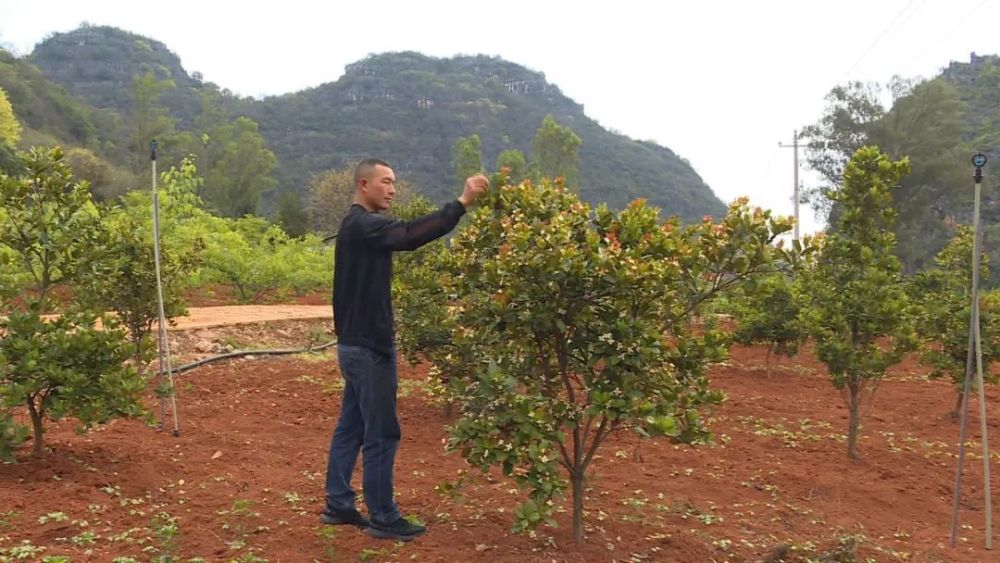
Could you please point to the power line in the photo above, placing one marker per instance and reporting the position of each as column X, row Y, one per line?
column 948, row 33
column 885, row 31
column 965, row 17
column 879, row 38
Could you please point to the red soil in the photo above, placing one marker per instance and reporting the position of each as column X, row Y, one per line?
column 257, row 431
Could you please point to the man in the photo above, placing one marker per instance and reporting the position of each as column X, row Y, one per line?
column 362, row 313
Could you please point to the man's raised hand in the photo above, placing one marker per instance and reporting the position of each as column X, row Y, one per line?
column 475, row 187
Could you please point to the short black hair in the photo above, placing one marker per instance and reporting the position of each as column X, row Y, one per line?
column 365, row 167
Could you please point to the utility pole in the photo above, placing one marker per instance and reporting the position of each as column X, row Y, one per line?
column 795, row 190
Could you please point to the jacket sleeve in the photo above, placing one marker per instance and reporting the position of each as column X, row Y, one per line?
column 389, row 234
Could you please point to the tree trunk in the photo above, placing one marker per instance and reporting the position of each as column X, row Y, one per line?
column 577, row 478
column 43, row 291
column 36, row 425
column 137, row 355
column 852, row 431
column 767, row 361
column 241, row 291
column 957, row 412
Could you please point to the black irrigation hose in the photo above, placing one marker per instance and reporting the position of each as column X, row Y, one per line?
column 240, row 353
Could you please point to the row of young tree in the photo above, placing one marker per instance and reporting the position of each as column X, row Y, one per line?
column 552, row 325
column 63, row 254
column 881, row 313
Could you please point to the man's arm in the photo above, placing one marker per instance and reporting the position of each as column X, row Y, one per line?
column 388, row 234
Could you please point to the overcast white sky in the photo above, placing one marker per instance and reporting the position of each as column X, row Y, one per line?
column 720, row 83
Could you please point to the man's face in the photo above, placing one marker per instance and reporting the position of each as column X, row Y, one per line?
column 379, row 188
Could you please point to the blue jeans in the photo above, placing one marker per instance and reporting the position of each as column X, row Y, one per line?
column 368, row 424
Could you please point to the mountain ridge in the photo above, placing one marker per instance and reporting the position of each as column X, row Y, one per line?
column 406, row 107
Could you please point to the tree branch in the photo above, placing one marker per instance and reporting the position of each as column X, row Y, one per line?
column 602, row 431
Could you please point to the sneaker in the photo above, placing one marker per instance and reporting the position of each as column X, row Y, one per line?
column 402, row 529
column 337, row 517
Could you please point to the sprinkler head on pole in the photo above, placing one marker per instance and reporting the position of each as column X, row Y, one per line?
column 979, row 160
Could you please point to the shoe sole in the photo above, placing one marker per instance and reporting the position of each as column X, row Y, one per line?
column 386, row 535
column 333, row 520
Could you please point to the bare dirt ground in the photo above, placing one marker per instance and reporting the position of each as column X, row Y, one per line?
column 244, row 481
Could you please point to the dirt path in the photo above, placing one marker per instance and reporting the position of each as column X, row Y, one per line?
column 229, row 315
column 208, row 317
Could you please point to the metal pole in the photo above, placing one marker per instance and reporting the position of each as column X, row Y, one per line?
column 984, row 431
column 163, row 340
column 987, row 493
column 975, row 347
column 964, row 425
column 159, row 329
